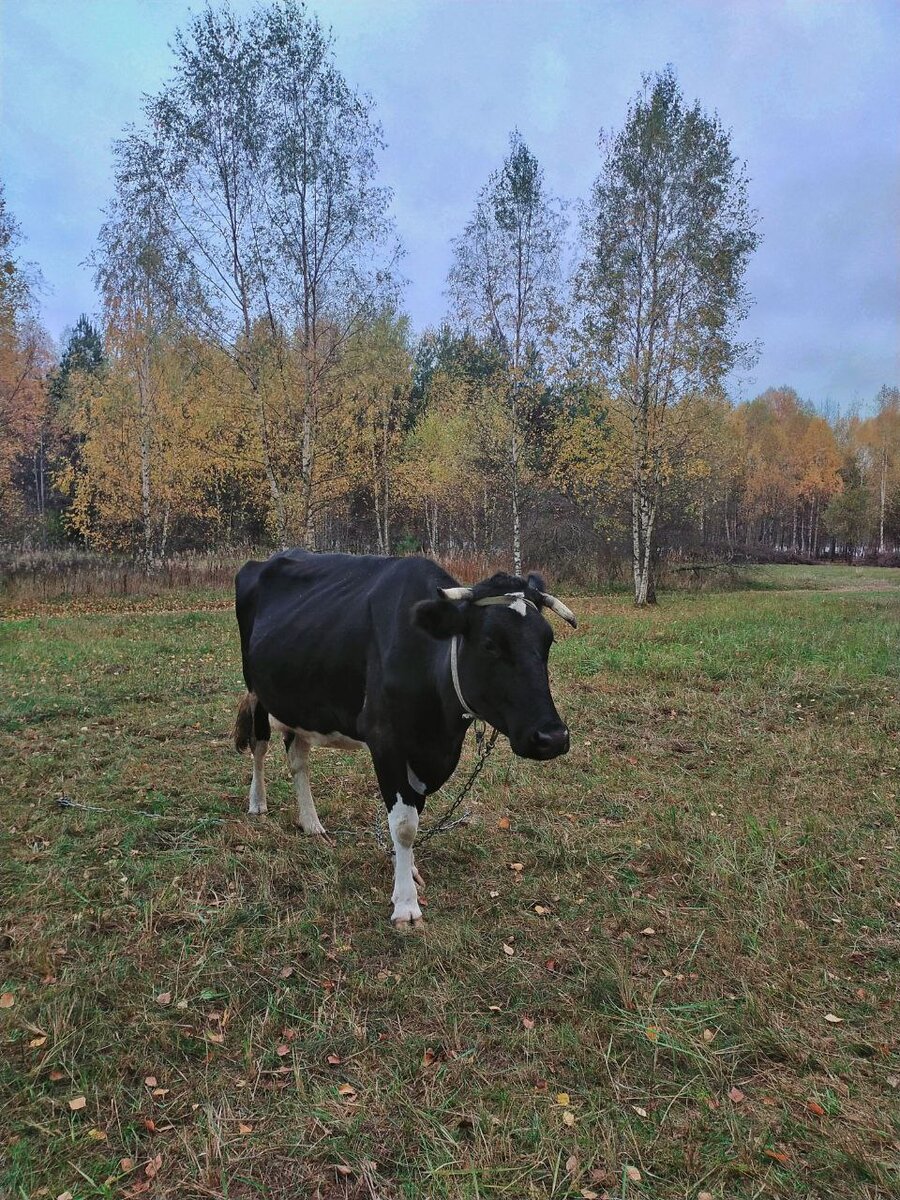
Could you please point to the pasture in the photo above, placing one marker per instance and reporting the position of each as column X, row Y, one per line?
column 661, row 966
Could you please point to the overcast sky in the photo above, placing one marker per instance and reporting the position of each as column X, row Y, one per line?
column 809, row 89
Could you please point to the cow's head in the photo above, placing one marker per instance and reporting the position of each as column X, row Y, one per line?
column 499, row 648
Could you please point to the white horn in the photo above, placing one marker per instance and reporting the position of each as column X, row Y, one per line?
column 560, row 609
column 456, row 593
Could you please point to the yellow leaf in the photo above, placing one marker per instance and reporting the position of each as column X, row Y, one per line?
column 563, row 1099
column 35, row 1042
column 96, row 1135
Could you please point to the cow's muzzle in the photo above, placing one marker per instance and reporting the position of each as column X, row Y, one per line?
column 544, row 744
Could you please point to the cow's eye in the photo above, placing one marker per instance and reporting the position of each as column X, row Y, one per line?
column 490, row 647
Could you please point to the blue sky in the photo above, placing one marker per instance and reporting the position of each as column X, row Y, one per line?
column 809, row 90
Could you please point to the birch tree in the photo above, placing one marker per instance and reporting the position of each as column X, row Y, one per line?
column 667, row 234
column 505, row 286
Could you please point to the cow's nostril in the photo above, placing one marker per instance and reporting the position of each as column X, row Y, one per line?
column 547, row 744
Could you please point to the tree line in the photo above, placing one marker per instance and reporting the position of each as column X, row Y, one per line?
column 252, row 377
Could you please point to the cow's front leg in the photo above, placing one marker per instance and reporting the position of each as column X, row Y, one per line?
column 403, row 822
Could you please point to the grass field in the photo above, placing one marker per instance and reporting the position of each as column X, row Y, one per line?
column 685, row 988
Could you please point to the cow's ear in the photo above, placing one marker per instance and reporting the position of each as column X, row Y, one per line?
column 440, row 618
column 536, row 582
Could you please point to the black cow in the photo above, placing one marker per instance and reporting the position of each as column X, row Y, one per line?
column 390, row 653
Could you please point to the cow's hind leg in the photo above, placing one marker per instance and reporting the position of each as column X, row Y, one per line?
column 259, row 744
column 298, row 759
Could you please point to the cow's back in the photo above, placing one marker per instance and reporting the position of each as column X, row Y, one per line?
column 307, row 630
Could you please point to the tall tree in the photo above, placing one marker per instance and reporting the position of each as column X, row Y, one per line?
column 880, row 437
column 667, row 235
column 265, row 161
column 505, row 285
column 24, row 365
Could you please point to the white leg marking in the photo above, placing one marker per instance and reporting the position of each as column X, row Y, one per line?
column 307, row 817
column 414, row 781
column 403, row 821
column 258, row 782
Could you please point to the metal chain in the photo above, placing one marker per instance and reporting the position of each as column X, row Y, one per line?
column 483, row 751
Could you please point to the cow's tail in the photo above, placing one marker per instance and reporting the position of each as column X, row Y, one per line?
column 243, row 725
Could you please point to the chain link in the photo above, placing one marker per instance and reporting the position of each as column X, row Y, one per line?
column 483, row 752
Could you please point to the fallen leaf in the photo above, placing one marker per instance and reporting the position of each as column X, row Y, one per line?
column 568, row 1117
column 64, row 1196
column 649, row 931
column 815, row 1108
column 343, row 1169
column 709, row 1035
column 588, row 1194
column 126, row 1164
column 96, row 1135
column 78, row 1103
column 35, row 1042
column 56, row 1075
column 428, row 1057
column 159, row 1092
column 652, row 1033
column 563, row 1099
column 245, row 1129
column 153, row 1167
column 164, row 998
column 517, row 867
column 571, row 1164
column 633, row 1174
column 217, row 1038
column 503, row 823
column 779, row 1155
column 508, row 949
column 333, row 1060
column 286, row 972
column 528, row 1022
column 705, row 1196
column 495, row 1008
column 282, row 1050
column 493, row 895
column 736, row 1095
column 7, row 1000
column 833, row 1020
column 641, row 1112
column 540, row 910
column 150, row 1081
column 346, row 1090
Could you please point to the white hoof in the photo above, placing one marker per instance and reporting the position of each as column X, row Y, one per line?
column 257, row 812
column 314, row 829
column 407, row 916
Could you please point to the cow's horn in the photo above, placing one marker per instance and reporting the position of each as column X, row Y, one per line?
column 457, row 593
column 560, row 609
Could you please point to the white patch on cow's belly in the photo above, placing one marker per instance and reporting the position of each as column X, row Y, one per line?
column 329, row 741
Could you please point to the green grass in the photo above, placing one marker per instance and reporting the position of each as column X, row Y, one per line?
column 732, row 787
